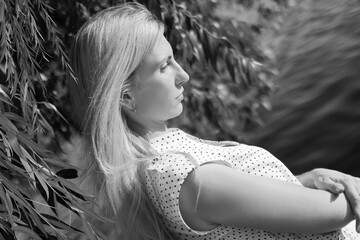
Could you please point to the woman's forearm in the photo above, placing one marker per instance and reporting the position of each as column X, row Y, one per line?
column 228, row 197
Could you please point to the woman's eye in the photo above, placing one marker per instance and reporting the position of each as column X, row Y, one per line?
column 163, row 68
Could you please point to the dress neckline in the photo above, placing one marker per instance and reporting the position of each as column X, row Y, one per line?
column 165, row 133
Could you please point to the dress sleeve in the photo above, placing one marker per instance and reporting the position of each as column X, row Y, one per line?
column 164, row 177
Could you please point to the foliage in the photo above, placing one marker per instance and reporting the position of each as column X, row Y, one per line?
column 26, row 166
column 228, row 88
column 230, row 83
column 223, row 56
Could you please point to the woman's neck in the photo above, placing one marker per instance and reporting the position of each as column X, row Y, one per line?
column 144, row 127
column 156, row 129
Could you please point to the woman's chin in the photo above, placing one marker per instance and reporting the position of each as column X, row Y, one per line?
column 176, row 111
column 179, row 109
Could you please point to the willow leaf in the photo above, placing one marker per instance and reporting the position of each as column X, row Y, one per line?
column 27, row 231
column 8, row 204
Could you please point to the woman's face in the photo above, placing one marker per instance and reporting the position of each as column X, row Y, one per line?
column 159, row 90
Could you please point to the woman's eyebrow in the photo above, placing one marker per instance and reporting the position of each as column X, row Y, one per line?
column 165, row 58
column 158, row 64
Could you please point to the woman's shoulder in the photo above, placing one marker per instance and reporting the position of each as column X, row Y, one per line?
column 172, row 161
column 178, row 137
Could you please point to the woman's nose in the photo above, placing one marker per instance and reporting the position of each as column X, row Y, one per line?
column 182, row 76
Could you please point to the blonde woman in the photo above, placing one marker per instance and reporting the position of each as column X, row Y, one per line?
column 160, row 183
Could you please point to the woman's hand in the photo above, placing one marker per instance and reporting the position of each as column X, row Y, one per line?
column 335, row 182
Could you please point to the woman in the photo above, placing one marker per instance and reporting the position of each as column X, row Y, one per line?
column 160, row 183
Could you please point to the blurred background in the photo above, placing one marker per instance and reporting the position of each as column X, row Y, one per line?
column 280, row 74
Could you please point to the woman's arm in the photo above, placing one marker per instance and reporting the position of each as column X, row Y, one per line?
column 230, row 197
column 335, row 182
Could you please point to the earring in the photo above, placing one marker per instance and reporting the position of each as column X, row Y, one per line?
column 134, row 108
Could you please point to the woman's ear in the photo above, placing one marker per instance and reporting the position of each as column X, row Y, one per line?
column 129, row 102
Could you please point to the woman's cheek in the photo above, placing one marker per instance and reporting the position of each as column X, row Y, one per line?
column 155, row 104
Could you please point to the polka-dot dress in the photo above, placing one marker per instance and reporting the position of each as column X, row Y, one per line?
column 180, row 153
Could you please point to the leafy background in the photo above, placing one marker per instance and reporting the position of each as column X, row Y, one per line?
column 225, row 46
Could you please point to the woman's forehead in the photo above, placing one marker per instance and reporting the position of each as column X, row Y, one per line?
column 158, row 54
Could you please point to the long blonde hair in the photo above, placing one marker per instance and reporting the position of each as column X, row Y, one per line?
column 106, row 52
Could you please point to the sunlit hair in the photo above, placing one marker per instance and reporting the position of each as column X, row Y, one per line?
column 106, row 52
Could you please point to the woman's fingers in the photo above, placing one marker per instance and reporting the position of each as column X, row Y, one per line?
column 326, row 183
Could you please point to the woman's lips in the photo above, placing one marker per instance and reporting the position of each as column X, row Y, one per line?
column 180, row 97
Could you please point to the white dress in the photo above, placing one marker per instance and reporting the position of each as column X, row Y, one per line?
column 180, row 153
